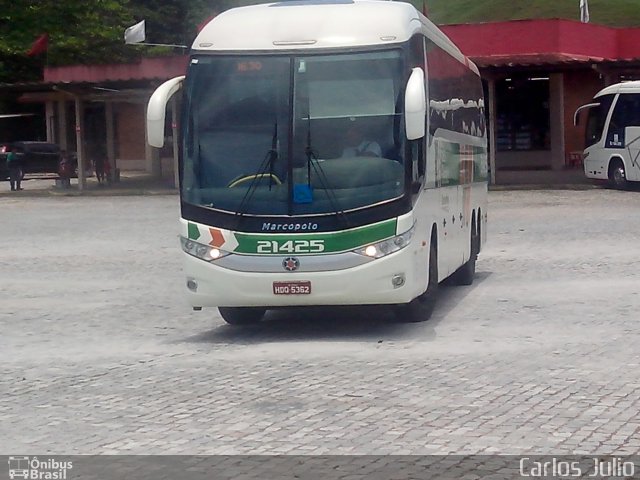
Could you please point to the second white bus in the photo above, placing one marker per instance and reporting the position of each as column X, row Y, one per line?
column 612, row 136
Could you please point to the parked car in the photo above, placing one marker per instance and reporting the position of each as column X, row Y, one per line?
column 35, row 157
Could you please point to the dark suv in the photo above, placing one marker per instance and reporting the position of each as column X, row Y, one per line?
column 34, row 157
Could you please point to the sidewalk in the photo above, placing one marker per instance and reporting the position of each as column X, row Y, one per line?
column 568, row 179
column 131, row 183
column 142, row 183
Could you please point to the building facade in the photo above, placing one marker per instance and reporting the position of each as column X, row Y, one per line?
column 536, row 74
column 98, row 111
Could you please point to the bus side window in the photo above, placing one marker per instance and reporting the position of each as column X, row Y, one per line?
column 620, row 118
column 633, row 111
column 596, row 120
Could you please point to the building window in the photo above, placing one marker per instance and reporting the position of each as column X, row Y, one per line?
column 522, row 120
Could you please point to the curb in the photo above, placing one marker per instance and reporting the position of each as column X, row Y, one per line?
column 53, row 192
column 112, row 193
column 560, row 186
column 87, row 193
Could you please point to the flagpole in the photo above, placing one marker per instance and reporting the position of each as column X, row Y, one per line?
column 584, row 11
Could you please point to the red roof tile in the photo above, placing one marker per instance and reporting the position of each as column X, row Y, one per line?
column 145, row 69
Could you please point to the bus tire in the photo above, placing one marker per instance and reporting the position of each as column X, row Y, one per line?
column 466, row 273
column 242, row 315
column 420, row 308
column 617, row 174
column 479, row 225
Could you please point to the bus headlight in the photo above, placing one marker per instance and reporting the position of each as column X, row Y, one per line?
column 385, row 247
column 201, row 251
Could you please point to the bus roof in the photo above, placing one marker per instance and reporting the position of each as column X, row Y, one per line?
column 624, row 87
column 317, row 24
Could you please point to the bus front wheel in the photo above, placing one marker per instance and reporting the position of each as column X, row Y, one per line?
column 617, row 175
column 421, row 308
column 242, row 315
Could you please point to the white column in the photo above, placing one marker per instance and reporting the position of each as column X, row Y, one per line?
column 50, row 114
column 82, row 181
column 492, row 129
column 556, row 113
column 152, row 155
column 62, row 125
column 111, row 148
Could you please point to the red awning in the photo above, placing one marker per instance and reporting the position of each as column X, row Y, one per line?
column 533, row 59
column 152, row 68
column 543, row 42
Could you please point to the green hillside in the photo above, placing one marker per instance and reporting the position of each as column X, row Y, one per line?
column 605, row 12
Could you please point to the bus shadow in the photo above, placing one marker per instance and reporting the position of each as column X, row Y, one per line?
column 353, row 323
column 338, row 323
column 449, row 296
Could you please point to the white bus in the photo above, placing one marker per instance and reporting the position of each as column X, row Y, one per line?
column 612, row 135
column 276, row 210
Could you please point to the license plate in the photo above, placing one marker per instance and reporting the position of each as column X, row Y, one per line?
column 292, row 288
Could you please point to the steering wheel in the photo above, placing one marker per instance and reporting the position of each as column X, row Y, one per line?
column 239, row 181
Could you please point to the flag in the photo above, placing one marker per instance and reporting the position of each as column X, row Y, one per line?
column 39, row 46
column 135, row 33
column 584, row 11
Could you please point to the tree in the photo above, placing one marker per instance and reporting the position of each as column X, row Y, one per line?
column 171, row 21
column 78, row 32
column 81, row 32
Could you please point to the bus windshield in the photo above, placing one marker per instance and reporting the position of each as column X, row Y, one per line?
column 596, row 119
column 285, row 135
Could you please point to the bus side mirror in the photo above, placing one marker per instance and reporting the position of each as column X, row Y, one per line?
column 576, row 115
column 415, row 105
column 156, row 110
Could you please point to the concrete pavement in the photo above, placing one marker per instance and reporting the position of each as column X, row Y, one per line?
column 130, row 183
column 100, row 354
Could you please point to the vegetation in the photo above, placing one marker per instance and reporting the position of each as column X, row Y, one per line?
column 94, row 26
column 89, row 32
column 605, row 12
column 92, row 32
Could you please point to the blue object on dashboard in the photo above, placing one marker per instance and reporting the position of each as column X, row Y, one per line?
column 302, row 193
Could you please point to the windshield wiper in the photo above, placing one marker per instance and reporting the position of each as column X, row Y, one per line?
column 274, row 152
column 266, row 164
column 312, row 161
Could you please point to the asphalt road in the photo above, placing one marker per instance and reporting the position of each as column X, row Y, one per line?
column 99, row 352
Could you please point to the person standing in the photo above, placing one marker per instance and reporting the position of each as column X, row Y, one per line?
column 15, row 170
column 107, row 170
column 98, row 166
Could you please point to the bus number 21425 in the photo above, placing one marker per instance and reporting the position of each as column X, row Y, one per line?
column 290, row 246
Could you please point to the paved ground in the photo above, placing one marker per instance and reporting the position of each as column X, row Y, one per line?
column 100, row 354
column 130, row 183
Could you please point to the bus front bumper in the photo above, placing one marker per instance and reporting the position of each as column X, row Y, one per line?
column 595, row 169
column 375, row 282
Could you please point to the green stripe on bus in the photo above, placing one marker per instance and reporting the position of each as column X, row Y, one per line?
column 310, row 243
column 193, row 232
